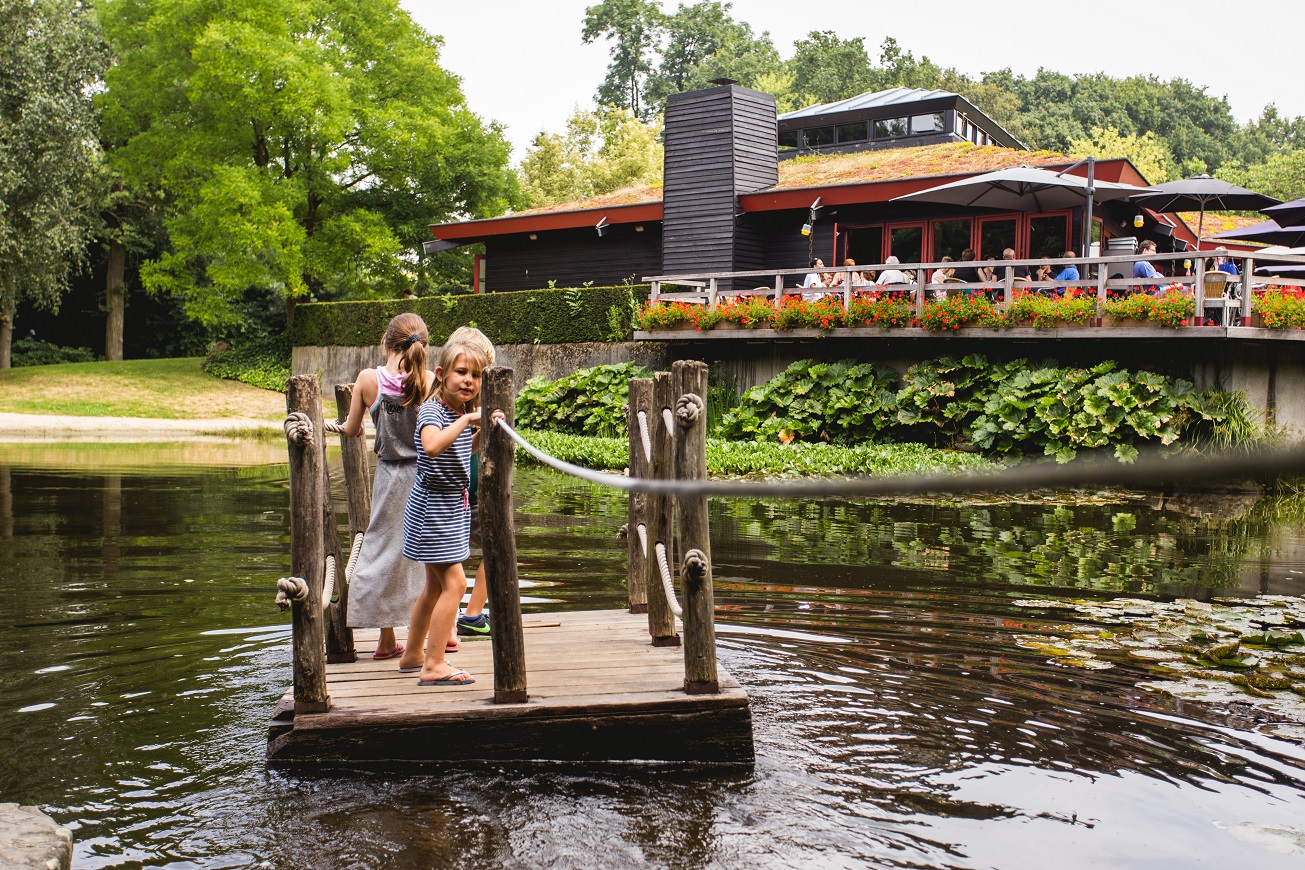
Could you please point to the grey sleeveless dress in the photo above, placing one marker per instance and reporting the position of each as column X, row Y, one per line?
column 385, row 584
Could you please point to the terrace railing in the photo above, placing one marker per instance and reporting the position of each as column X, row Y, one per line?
column 1095, row 276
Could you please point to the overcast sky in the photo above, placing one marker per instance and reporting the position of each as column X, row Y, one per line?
column 523, row 64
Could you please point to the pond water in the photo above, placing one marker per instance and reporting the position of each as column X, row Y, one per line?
column 901, row 717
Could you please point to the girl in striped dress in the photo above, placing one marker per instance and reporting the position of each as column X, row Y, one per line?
column 437, row 520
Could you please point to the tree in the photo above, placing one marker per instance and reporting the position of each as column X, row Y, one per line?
column 600, row 152
column 1146, row 152
column 635, row 28
column 1281, row 176
column 703, row 43
column 1267, row 135
column 828, row 69
column 50, row 59
column 300, row 146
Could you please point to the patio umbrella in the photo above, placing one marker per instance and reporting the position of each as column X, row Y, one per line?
column 1287, row 214
column 1267, row 232
column 1201, row 192
column 1022, row 188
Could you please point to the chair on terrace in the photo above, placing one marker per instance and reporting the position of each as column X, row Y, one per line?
column 1216, row 301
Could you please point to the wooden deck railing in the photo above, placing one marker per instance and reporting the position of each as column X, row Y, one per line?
column 710, row 288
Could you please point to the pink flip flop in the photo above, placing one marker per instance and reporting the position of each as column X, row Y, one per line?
column 380, row 657
column 452, row 646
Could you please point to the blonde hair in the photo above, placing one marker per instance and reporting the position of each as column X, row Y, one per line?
column 472, row 336
column 448, row 358
column 407, row 336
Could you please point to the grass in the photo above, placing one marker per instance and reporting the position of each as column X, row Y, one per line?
column 170, row 389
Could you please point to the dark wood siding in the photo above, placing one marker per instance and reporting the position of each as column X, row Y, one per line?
column 719, row 142
column 571, row 257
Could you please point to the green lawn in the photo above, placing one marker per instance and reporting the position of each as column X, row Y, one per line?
column 173, row 389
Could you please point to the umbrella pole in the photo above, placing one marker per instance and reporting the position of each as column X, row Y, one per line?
column 1200, row 228
column 1087, row 216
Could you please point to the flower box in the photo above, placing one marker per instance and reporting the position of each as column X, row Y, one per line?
column 1124, row 321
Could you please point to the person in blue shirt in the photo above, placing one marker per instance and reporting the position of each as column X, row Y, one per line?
column 1224, row 263
column 1068, row 272
column 1143, row 269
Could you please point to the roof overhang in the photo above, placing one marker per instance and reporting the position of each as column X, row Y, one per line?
column 467, row 231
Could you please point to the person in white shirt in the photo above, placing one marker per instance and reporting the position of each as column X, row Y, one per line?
column 814, row 281
column 893, row 276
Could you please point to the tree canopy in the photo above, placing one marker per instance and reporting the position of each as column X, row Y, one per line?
column 300, row 145
column 600, row 152
column 50, row 59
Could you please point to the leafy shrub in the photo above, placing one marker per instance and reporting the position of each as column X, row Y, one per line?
column 263, row 363
column 940, row 398
column 34, row 352
column 840, row 402
column 550, row 316
column 887, row 313
column 1175, row 308
column 586, row 402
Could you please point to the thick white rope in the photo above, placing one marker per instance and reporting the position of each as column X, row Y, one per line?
column 1149, row 471
column 644, row 437
column 328, row 581
column 353, row 557
column 298, row 428
column 643, row 539
column 289, row 590
column 669, row 420
column 667, row 583
column 333, row 426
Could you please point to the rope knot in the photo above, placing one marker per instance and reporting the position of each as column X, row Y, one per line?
column 290, row 590
column 299, row 428
column 688, row 408
column 623, row 532
column 694, row 565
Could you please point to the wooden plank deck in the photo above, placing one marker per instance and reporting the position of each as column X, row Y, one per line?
column 598, row 691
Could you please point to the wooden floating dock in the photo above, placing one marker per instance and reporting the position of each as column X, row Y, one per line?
column 599, row 691
column 574, row 686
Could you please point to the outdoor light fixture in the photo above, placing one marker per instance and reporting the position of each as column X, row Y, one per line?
column 806, row 229
column 1138, row 220
column 811, row 217
column 638, row 228
column 533, row 237
column 601, row 226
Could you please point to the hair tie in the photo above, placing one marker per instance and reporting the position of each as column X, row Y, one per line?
column 413, row 338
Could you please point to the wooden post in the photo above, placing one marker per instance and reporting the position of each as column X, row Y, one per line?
column 1008, row 290
column 661, row 622
column 498, row 534
column 358, row 502
column 641, row 390
column 1102, row 276
column 779, row 289
column 694, row 530
column 1248, row 270
column 1198, row 315
column 307, row 548
column 919, row 297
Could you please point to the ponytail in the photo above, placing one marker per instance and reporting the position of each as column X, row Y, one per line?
column 407, row 336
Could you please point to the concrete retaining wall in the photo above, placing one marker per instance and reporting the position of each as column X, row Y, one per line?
column 31, row 840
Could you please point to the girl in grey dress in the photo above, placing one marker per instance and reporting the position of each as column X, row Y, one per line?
column 384, row 583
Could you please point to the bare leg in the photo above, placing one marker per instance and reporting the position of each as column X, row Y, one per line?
column 479, row 593
column 450, row 583
column 419, row 621
column 387, row 644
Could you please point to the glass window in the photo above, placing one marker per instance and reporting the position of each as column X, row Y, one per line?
column 864, row 244
column 996, row 236
column 858, row 132
column 817, row 137
column 907, row 243
column 889, row 127
column 950, row 238
column 1048, row 236
column 788, row 140
column 927, row 123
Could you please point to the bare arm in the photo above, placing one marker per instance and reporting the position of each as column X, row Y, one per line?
column 435, row 440
column 364, row 393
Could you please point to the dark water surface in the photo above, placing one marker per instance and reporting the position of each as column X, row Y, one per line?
column 898, row 722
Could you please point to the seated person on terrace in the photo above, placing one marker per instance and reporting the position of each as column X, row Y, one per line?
column 1143, row 269
column 893, row 276
column 1068, row 272
column 1224, row 263
column 1018, row 271
column 813, row 279
column 968, row 274
column 939, row 276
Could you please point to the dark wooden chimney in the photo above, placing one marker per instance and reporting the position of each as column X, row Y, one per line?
column 720, row 142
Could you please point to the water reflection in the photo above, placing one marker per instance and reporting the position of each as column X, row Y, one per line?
column 898, row 721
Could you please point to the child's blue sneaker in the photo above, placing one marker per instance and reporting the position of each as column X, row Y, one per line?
column 473, row 626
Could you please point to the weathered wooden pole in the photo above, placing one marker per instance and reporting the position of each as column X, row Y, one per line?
column 661, row 508
column 358, row 502
column 499, row 540
column 303, row 402
column 641, row 390
column 694, row 530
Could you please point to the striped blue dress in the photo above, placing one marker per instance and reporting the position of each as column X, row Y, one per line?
column 437, row 519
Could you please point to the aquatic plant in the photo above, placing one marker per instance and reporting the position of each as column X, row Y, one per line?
column 586, row 402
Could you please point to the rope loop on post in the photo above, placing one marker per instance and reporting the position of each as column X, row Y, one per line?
column 694, row 565
column 643, row 539
column 333, row 426
column 623, row 533
column 299, row 428
column 688, row 408
column 669, row 421
column 645, row 437
column 667, row 583
column 353, row 557
column 328, row 581
column 290, row 590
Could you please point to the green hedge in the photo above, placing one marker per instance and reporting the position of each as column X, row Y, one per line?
column 551, row 316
